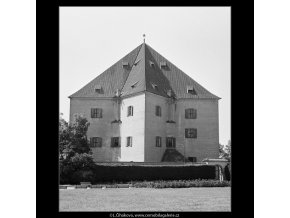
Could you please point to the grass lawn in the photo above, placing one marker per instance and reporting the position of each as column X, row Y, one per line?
column 146, row 199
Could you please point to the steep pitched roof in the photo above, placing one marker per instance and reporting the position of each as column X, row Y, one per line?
column 144, row 73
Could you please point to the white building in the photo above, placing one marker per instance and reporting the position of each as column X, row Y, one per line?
column 144, row 109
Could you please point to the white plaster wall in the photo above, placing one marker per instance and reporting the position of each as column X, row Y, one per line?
column 206, row 145
column 133, row 126
column 99, row 127
column 156, row 126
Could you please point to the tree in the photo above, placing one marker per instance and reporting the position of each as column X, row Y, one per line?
column 75, row 157
column 225, row 150
column 73, row 137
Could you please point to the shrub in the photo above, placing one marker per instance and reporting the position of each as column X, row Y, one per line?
column 180, row 184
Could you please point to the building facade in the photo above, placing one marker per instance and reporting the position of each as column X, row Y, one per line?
column 144, row 107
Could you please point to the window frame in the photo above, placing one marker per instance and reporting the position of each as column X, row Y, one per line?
column 129, row 142
column 96, row 113
column 189, row 134
column 113, row 140
column 94, row 141
column 167, row 142
column 158, row 111
column 130, row 111
column 190, row 113
column 158, row 141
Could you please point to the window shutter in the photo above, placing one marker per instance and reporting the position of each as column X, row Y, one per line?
column 101, row 113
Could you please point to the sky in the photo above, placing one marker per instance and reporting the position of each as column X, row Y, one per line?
column 195, row 39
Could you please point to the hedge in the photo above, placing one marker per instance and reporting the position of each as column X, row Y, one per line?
column 123, row 173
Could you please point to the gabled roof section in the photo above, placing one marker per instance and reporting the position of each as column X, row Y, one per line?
column 136, row 80
column 144, row 72
column 171, row 78
column 111, row 79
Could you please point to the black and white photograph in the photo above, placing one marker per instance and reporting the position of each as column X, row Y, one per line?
column 145, row 109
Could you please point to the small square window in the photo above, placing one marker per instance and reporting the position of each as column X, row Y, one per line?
column 163, row 64
column 115, row 142
column 95, row 142
column 190, row 113
column 125, row 64
column 191, row 133
column 191, row 90
column 130, row 111
column 158, row 141
column 96, row 113
column 129, row 141
column 98, row 89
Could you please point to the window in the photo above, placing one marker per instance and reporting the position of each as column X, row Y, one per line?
column 98, row 89
column 96, row 113
column 125, row 64
column 163, row 64
column 169, row 93
column 154, row 86
column 170, row 142
column 191, row 90
column 190, row 113
column 129, row 141
column 151, row 63
column 96, row 142
column 137, row 62
column 130, row 111
column 134, row 85
column 158, row 141
column 191, row 133
column 192, row 159
column 158, row 111
column 115, row 142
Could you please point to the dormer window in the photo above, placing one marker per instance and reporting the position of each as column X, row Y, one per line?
column 191, row 90
column 137, row 62
column 125, row 64
column 151, row 63
column 98, row 89
column 154, row 86
column 134, row 85
column 163, row 64
column 169, row 93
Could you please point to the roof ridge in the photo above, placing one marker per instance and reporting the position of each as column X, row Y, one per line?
column 145, row 88
column 131, row 68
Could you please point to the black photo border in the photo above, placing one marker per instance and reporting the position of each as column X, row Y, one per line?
column 242, row 90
